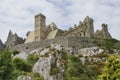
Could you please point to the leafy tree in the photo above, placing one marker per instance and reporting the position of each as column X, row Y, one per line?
column 111, row 70
column 6, row 67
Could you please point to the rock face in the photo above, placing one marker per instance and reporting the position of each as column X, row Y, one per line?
column 92, row 54
column 22, row 77
column 49, row 64
column 90, row 51
column 1, row 45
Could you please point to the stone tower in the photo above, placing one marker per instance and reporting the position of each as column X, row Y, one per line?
column 90, row 27
column 39, row 27
column 105, row 32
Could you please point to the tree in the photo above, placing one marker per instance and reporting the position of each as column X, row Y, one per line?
column 111, row 70
column 6, row 67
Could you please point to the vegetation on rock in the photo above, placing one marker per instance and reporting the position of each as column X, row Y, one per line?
column 12, row 68
column 111, row 71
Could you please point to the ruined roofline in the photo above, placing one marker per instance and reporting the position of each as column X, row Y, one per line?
column 40, row 14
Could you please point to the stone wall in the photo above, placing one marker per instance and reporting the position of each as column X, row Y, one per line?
column 40, row 44
column 80, row 42
column 67, row 42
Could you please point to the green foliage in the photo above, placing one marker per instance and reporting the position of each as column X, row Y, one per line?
column 15, row 52
column 74, row 59
column 6, row 67
column 74, row 68
column 11, row 68
column 109, row 43
column 64, row 57
column 32, row 59
column 21, row 65
column 111, row 70
column 35, row 76
column 54, row 70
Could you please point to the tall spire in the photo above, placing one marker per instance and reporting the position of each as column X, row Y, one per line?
column 1, row 45
column 10, row 33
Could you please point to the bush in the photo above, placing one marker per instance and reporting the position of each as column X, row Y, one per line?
column 109, row 43
column 74, row 58
column 111, row 71
column 54, row 69
column 72, row 72
column 15, row 52
column 21, row 65
column 32, row 59
column 35, row 76
column 6, row 68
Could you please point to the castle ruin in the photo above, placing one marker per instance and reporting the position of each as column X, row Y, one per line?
column 83, row 29
column 47, row 34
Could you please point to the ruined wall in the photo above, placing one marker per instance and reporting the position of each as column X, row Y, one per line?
column 70, row 41
column 80, row 42
column 40, row 44
column 13, row 39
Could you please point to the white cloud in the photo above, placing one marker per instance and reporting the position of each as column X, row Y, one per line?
column 18, row 15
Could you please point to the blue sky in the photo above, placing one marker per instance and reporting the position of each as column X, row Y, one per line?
column 18, row 15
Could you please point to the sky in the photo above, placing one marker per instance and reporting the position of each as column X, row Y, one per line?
column 18, row 15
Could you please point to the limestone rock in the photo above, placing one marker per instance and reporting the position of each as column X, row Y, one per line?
column 90, row 51
column 23, row 77
column 49, row 57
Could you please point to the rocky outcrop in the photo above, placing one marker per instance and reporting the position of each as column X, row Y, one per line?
column 49, row 64
column 23, row 77
column 92, row 55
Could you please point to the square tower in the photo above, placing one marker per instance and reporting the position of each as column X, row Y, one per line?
column 40, row 23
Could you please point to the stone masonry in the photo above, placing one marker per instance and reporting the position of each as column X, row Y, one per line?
column 81, row 35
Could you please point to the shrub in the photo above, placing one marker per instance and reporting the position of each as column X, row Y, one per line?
column 72, row 72
column 15, row 52
column 35, row 76
column 109, row 43
column 74, row 58
column 21, row 65
column 64, row 56
column 32, row 59
column 111, row 71
column 6, row 67
column 54, row 69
